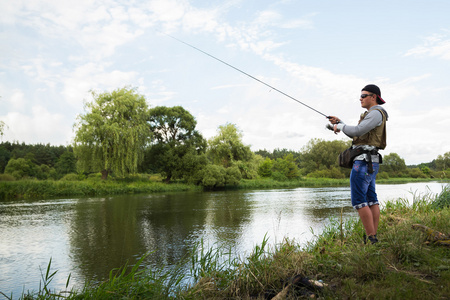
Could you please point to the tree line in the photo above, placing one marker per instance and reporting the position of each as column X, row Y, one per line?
column 119, row 135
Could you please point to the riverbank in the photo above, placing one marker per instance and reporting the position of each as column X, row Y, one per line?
column 40, row 189
column 405, row 264
column 321, row 182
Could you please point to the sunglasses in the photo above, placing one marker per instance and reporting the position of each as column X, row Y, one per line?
column 366, row 95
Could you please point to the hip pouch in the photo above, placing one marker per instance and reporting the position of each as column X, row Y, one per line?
column 346, row 157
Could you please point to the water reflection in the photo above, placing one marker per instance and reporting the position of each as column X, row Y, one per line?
column 115, row 230
column 89, row 237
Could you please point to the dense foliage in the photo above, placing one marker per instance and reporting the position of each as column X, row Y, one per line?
column 36, row 161
column 178, row 149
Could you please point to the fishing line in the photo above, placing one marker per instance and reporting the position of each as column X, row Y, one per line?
column 245, row 73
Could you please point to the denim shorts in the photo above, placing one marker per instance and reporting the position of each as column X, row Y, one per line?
column 362, row 184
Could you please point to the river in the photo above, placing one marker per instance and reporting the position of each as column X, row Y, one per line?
column 87, row 237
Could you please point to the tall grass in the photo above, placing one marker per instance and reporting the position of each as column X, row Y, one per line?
column 133, row 282
column 127, row 282
column 443, row 200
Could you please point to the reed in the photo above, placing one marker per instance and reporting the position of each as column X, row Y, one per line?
column 443, row 200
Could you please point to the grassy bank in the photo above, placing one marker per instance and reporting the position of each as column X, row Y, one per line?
column 336, row 265
column 304, row 182
column 34, row 189
column 39, row 189
column 320, row 182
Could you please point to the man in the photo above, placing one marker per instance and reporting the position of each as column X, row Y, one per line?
column 370, row 136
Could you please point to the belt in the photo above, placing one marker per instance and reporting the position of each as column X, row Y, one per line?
column 369, row 159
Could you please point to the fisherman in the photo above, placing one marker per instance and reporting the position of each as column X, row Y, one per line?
column 370, row 135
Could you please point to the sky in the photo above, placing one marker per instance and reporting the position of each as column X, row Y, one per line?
column 53, row 53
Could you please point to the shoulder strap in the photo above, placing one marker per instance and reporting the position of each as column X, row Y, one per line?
column 382, row 113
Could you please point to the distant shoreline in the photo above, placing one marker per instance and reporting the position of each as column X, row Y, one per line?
column 40, row 189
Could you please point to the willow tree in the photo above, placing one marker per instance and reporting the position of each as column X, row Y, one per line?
column 112, row 133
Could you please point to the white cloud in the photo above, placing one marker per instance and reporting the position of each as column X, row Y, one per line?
column 409, row 135
column 140, row 17
column 267, row 17
column 437, row 45
column 172, row 14
column 158, row 93
column 299, row 23
column 54, row 18
column 168, row 12
column 270, row 18
column 12, row 11
column 43, row 70
column 196, row 19
column 17, row 100
column 39, row 127
column 98, row 29
column 93, row 76
column 101, row 40
column 228, row 86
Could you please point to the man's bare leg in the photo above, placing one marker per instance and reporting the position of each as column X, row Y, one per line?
column 366, row 216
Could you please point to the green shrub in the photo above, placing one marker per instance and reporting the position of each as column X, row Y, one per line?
column 212, row 176
column 327, row 173
column 248, row 169
column 417, row 173
column 7, row 177
column 443, row 174
column 155, row 177
column 383, row 175
column 233, row 176
column 279, row 176
column 95, row 176
column 286, row 166
column 265, row 168
column 70, row 177
column 20, row 168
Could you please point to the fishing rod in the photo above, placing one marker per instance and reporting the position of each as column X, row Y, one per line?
column 245, row 73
